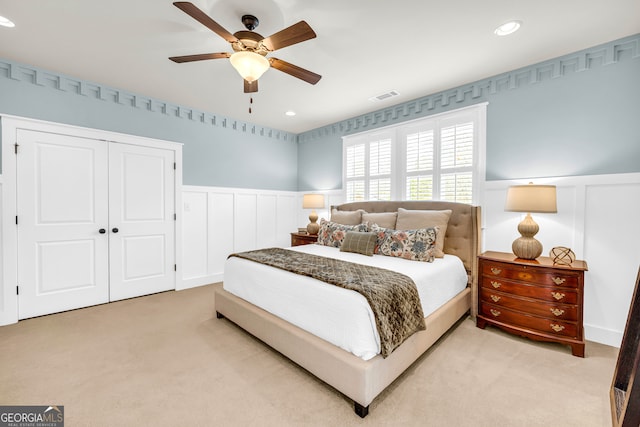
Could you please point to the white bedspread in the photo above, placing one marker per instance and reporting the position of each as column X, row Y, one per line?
column 338, row 315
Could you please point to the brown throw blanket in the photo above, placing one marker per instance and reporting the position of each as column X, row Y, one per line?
column 393, row 297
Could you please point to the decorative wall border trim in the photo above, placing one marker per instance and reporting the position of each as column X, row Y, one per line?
column 46, row 79
column 602, row 55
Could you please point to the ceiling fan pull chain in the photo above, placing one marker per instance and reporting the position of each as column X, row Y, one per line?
column 250, row 102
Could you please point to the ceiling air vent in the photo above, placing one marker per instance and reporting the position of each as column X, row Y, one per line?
column 384, row 96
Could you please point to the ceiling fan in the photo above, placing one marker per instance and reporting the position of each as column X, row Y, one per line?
column 250, row 48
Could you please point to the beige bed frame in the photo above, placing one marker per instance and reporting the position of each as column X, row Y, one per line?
column 358, row 379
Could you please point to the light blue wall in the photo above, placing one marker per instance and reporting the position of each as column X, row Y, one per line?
column 217, row 151
column 574, row 115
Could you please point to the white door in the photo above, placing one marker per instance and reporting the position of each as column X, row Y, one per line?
column 62, row 206
column 141, row 220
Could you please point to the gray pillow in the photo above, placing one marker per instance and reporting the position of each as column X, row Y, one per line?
column 383, row 219
column 346, row 217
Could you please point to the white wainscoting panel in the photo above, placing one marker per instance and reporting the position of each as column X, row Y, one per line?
column 612, row 233
column 220, row 221
column 597, row 219
column 195, row 227
column 245, row 227
column 287, row 208
column 267, row 221
column 2, row 290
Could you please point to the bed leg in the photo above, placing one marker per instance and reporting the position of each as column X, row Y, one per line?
column 362, row 411
column 219, row 316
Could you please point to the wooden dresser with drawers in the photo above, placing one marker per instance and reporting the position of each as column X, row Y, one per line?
column 532, row 298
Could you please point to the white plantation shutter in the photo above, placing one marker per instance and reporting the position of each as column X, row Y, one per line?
column 457, row 187
column 436, row 158
column 367, row 169
column 380, row 170
column 355, row 161
column 355, row 167
column 456, row 146
column 456, row 154
column 420, row 187
column 419, row 166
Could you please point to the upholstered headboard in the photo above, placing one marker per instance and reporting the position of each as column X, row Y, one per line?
column 463, row 231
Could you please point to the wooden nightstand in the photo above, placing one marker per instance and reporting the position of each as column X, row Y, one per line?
column 298, row 239
column 532, row 298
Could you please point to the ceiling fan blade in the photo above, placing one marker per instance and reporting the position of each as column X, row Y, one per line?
column 250, row 87
column 291, row 35
column 191, row 10
column 200, row 57
column 295, row 71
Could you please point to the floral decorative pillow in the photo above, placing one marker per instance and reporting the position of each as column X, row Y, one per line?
column 332, row 234
column 416, row 245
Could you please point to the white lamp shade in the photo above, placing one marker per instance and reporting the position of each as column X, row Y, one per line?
column 313, row 201
column 250, row 65
column 531, row 198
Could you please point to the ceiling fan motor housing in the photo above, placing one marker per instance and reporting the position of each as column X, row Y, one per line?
column 250, row 22
column 249, row 40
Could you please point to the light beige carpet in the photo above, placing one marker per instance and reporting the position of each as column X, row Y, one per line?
column 165, row 360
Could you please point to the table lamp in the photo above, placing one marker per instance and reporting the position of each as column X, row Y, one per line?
column 530, row 198
column 313, row 202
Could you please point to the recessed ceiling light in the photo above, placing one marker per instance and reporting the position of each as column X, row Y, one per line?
column 6, row 22
column 507, row 28
column 290, row 113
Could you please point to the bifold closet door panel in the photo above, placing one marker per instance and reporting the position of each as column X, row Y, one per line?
column 141, row 220
column 62, row 206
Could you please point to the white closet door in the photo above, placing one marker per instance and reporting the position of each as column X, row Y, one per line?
column 141, row 220
column 62, row 204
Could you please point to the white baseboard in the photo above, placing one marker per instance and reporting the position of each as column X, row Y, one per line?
column 602, row 335
column 195, row 282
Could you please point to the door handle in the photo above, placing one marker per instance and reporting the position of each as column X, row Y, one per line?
column 102, row 231
column 115, row 230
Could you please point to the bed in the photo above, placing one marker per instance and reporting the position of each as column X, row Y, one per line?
column 359, row 374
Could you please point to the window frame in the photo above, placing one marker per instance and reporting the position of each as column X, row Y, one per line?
column 398, row 134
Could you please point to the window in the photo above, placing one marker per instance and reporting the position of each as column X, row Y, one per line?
column 368, row 168
column 440, row 157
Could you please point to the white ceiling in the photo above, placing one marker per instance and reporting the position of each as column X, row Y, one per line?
column 364, row 48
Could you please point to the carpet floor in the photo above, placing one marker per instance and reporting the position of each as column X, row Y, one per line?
column 165, row 360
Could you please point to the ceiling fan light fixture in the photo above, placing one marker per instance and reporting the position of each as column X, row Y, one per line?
column 249, row 65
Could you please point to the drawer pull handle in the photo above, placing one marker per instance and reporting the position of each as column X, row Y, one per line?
column 557, row 328
column 557, row 295
column 559, row 280
column 557, row 311
column 495, row 298
column 496, row 284
column 495, row 270
column 495, row 312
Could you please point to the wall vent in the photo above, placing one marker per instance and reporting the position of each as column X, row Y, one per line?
column 384, row 96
